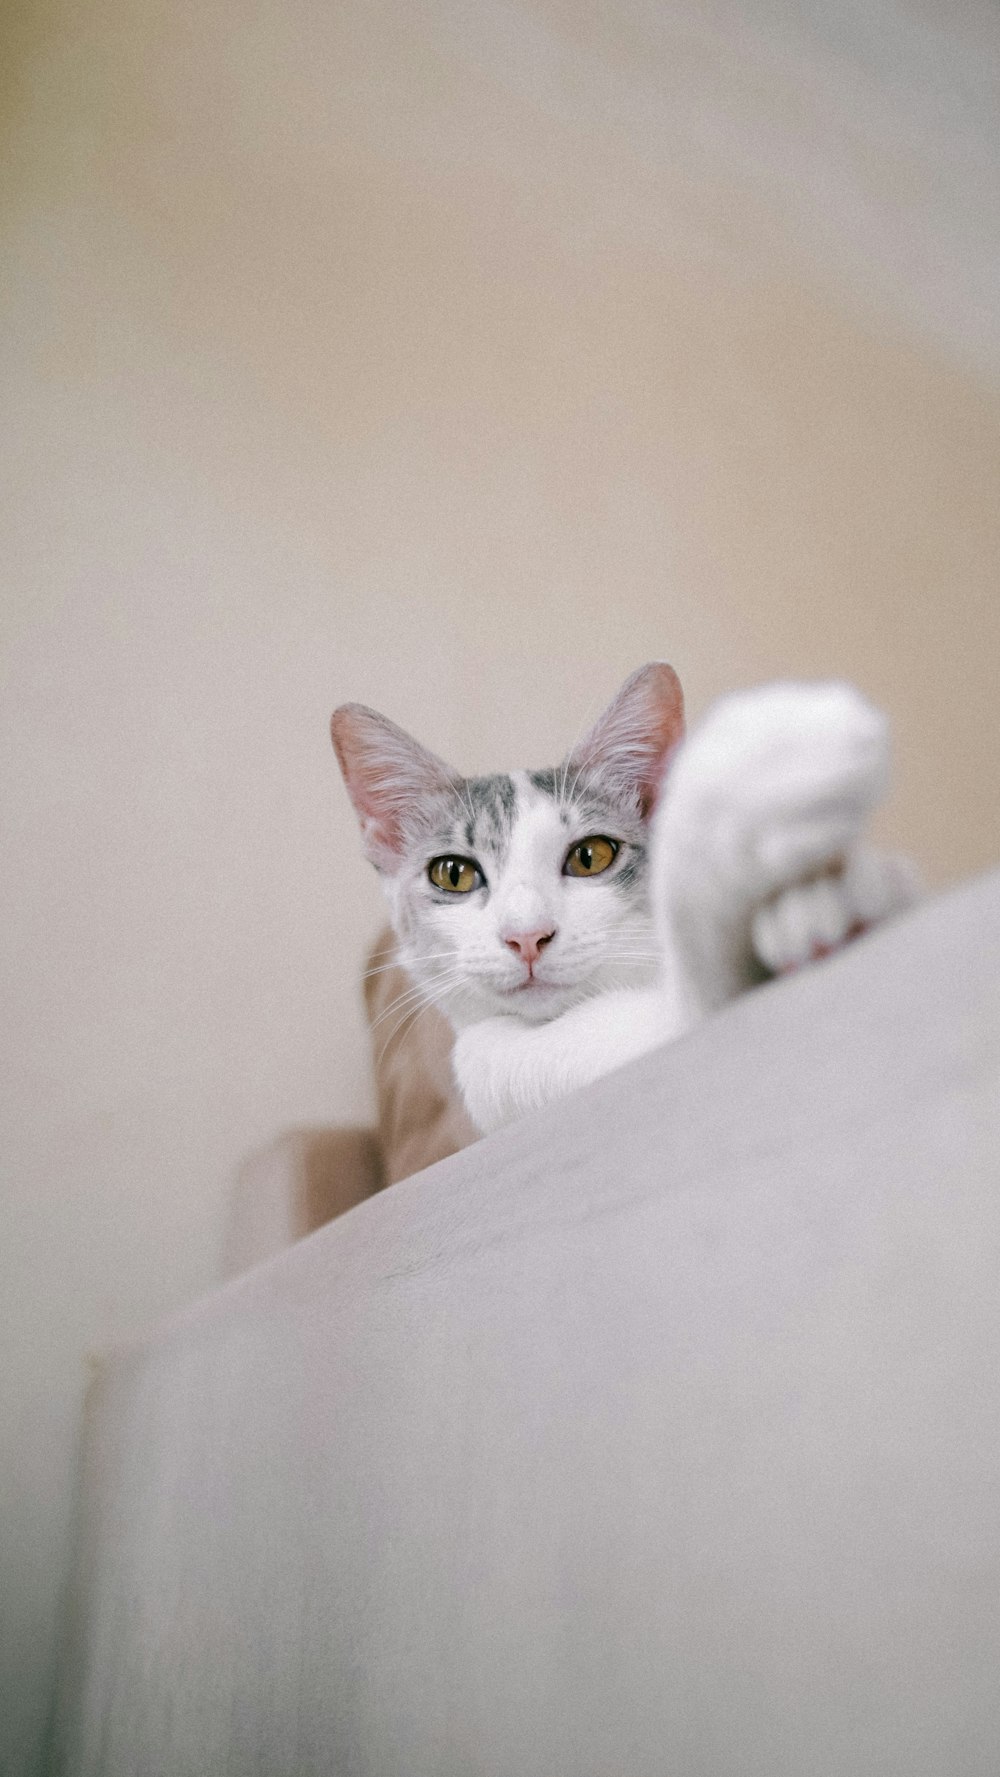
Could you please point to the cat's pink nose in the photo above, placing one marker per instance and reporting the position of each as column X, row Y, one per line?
column 529, row 945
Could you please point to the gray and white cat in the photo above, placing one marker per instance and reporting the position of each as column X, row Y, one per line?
column 570, row 919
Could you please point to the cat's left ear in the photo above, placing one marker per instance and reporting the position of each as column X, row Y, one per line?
column 629, row 744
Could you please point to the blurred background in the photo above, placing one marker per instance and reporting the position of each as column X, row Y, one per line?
column 456, row 356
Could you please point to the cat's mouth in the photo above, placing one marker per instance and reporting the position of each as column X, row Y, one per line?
column 531, row 987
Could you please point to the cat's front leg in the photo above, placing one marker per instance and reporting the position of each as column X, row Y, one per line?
column 505, row 1067
column 488, row 1065
column 774, row 787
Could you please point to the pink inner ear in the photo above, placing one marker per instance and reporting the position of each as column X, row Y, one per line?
column 631, row 742
column 388, row 775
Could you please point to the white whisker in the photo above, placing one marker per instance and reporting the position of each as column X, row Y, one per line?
column 431, row 996
column 396, row 962
column 414, row 992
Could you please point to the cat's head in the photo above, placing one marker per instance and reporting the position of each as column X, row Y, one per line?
column 521, row 892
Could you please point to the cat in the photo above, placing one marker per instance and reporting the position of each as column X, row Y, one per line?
column 569, row 920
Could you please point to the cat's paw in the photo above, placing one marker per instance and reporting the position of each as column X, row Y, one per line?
column 811, row 919
column 775, row 785
column 482, row 1062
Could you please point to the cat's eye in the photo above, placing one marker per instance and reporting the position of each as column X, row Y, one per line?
column 591, row 856
column 457, row 876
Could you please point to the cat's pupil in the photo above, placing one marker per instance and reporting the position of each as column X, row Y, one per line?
column 454, row 873
column 586, row 856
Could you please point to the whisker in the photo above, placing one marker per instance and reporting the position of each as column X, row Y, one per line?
column 415, row 991
column 432, row 998
column 413, row 995
column 465, row 797
column 397, row 1003
column 412, row 1011
column 396, row 962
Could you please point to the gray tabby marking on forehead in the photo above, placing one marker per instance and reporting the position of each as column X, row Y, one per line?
column 576, row 796
column 584, row 795
column 491, row 802
column 550, row 783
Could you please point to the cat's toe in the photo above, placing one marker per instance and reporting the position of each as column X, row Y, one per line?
column 811, row 919
column 801, row 924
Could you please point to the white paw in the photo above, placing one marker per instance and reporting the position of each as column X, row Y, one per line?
column 774, row 785
column 481, row 1064
column 809, row 920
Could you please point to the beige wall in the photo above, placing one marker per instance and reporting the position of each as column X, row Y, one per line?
column 456, row 358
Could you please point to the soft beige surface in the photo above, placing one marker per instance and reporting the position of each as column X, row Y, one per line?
column 456, row 358
column 659, row 1434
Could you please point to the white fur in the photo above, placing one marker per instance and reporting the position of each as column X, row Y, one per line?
column 757, row 854
column 505, row 1067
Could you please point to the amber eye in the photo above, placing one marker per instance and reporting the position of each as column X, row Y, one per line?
column 591, row 856
column 457, row 876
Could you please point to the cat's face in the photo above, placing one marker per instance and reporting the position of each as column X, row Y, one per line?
column 503, row 905
column 517, row 893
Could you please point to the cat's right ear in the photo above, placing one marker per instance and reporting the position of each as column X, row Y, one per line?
column 389, row 775
column 629, row 744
